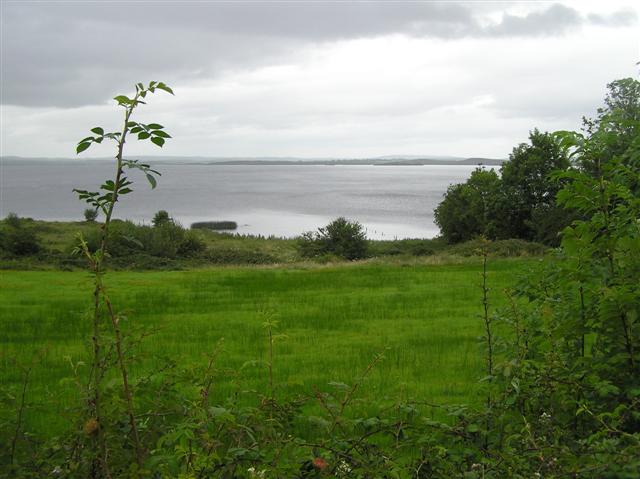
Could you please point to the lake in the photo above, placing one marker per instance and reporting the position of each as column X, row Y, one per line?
column 281, row 200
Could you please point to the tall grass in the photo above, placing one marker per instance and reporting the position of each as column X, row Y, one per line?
column 335, row 320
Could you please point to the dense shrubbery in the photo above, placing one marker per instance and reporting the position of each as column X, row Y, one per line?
column 342, row 238
column 408, row 247
column 17, row 238
column 166, row 240
column 215, row 225
column 225, row 255
column 498, row 248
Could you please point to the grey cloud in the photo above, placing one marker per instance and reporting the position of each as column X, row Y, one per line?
column 72, row 54
column 557, row 19
column 620, row 18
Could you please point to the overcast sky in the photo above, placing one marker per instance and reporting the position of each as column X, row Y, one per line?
column 310, row 79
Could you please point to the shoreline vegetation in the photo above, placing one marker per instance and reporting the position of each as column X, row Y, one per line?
column 26, row 243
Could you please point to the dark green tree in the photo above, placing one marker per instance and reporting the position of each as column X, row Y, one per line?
column 161, row 218
column 90, row 214
column 526, row 207
column 466, row 210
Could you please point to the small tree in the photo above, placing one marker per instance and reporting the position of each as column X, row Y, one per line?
column 341, row 237
column 90, row 214
column 160, row 218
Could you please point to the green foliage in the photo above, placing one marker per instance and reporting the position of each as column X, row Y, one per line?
column 499, row 248
column 528, row 192
column 464, row 213
column 215, row 225
column 343, row 238
column 161, row 218
column 561, row 387
column 90, row 214
column 13, row 220
column 406, row 247
column 164, row 240
column 18, row 238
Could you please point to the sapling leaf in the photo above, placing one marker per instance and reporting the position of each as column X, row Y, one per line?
column 131, row 124
column 160, row 133
column 143, row 135
column 164, row 87
column 152, row 181
column 123, row 100
column 98, row 131
column 81, row 147
column 158, row 141
column 155, row 126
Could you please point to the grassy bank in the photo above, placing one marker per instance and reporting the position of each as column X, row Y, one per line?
column 425, row 318
column 34, row 244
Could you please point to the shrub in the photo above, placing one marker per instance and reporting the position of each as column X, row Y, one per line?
column 409, row 247
column 90, row 214
column 13, row 220
column 500, row 248
column 341, row 237
column 230, row 255
column 191, row 245
column 215, row 225
column 167, row 240
column 16, row 239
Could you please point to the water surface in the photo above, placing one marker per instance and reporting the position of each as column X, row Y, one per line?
column 390, row 201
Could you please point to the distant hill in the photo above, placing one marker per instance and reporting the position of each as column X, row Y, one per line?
column 400, row 160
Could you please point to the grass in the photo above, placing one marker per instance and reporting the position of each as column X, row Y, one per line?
column 335, row 318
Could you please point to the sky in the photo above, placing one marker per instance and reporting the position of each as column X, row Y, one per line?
column 310, row 79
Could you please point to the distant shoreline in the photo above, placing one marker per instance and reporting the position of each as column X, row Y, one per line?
column 286, row 162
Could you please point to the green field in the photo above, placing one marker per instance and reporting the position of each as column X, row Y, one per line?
column 425, row 317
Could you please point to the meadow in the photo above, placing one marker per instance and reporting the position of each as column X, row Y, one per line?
column 331, row 322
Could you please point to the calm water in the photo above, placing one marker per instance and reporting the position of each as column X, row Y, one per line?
column 390, row 201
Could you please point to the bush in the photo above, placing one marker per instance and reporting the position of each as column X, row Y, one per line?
column 166, row 240
column 499, row 248
column 16, row 239
column 409, row 247
column 90, row 214
column 13, row 220
column 230, row 255
column 341, row 237
column 215, row 225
